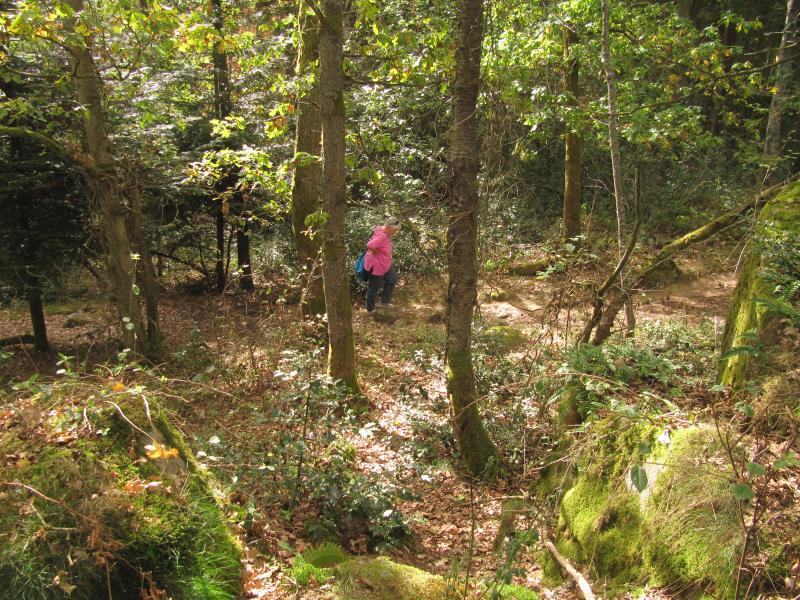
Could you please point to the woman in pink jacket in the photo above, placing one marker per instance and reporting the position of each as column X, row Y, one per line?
column 378, row 262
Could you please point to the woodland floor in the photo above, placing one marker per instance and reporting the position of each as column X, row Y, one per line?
column 400, row 349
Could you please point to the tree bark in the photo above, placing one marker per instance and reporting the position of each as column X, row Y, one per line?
column 306, row 181
column 33, row 292
column 243, row 258
column 572, row 145
column 108, row 189
column 783, row 75
column 474, row 444
column 335, row 274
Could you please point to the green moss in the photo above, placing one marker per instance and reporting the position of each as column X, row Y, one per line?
column 516, row 592
column 683, row 530
column 504, row 338
column 606, row 525
column 692, row 524
column 382, row 579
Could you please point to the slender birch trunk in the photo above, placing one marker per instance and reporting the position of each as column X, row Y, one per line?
column 572, row 145
column 616, row 162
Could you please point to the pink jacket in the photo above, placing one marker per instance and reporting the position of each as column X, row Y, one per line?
column 380, row 259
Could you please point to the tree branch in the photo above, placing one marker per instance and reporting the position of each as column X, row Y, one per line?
column 50, row 144
column 583, row 585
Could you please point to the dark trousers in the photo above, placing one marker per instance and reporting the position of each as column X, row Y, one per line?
column 388, row 280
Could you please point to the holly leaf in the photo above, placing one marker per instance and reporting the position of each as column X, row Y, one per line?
column 743, row 492
column 639, row 477
column 786, row 461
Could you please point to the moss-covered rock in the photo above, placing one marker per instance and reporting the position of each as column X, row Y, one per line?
column 682, row 530
column 504, row 338
column 120, row 519
column 755, row 326
column 383, row 579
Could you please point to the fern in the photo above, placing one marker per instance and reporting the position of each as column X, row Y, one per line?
column 316, row 563
column 303, row 572
column 325, row 555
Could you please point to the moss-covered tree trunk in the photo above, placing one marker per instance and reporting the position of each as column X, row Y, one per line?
column 109, row 193
column 474, row 444
column 757, row 319
column 572, row 145
column 307, row 171
column 335, row 274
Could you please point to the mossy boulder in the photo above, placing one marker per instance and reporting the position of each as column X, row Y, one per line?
column 755, row 339
column 504, row 338
column 118, row 519
column 683, row 529
column 383, row 579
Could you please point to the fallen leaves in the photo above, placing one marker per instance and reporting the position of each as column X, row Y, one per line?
column 62, row 582
column 157, row 450
column 138, row 486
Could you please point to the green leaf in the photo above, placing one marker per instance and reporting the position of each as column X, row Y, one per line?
column 742, row 491
column 756, row 469
column 787, row 460
column 645, row 448
column 639, row 477
column 135, row 289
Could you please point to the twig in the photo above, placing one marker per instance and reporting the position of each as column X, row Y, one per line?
column 583, row 585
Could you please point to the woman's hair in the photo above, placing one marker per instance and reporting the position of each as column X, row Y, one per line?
column 393, row 222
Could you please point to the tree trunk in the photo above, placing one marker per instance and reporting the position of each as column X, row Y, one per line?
column 306, row 181
column 613, row 142
column 476, row 448
column 145, row 270
column 613, row 132
column 783, row 75
column 243, row 258
column 108, row 191
column 572, row 146
column 222, row 109
column 219, row 257
column 341, row 346
column 33, row 291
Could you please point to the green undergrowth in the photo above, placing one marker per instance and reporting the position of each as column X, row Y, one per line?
column 113, row 505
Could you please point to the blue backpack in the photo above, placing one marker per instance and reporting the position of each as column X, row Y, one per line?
column 361, row 273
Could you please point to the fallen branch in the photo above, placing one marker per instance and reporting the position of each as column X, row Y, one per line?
column 25, row 338
column 583, row 585
column 640, row 276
